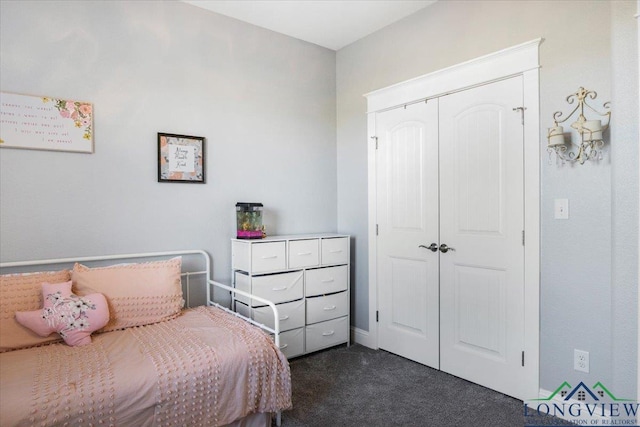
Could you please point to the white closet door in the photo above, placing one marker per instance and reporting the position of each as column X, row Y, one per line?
column 407, row 217
column 482, row 218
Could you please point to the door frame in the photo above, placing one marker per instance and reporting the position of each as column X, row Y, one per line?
column 522, row 59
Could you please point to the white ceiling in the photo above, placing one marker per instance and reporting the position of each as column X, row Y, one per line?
column 329, row 23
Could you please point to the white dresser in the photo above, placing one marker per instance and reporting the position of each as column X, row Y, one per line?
column 307, row 276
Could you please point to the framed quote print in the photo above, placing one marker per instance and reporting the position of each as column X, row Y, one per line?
column 181, row 158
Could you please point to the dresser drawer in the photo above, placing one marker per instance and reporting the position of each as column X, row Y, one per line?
column 328, row 280
column 326, row 334
column 304, row 253
column 292, row 342
column 327, row 307
column 276, row 288
column 291, row 315
column 335, row 251
column 267, row 257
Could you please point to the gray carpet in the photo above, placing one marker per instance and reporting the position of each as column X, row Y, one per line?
column 357, row 386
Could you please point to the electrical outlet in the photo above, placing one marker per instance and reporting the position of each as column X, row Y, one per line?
column 561, row 209
column 581, row 360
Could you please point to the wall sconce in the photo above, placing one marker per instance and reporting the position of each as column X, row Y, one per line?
column 590, row 143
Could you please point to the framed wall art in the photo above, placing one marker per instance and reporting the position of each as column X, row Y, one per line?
column 181, row 158
column 45, row 123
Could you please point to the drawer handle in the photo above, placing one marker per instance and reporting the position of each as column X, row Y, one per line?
column 283, row 346
column 283, row 288
column 270, row 256
column 283, row 318
column 335, row 251
column 333, row 307
column 327, row 280
column 328, row 334
column 304, row 253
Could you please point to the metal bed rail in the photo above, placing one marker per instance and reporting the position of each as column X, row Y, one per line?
column 205, row 256
column 276, row 329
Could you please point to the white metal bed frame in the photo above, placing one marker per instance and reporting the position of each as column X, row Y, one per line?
column 187, row 274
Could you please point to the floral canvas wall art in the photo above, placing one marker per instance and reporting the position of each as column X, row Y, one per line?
column 45, row 123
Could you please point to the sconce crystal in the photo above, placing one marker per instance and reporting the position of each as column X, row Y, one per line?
column 590, row 141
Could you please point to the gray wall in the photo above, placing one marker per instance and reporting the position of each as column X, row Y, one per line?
column 264, row 101
column 583, row 304
column 624, row 184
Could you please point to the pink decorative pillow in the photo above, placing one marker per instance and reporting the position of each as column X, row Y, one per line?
column 137, row 294
column 23, row 292
column 71, row 316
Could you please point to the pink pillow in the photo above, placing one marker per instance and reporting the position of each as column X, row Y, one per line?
column 71, row 316
column 23, row 292
column 138, row 294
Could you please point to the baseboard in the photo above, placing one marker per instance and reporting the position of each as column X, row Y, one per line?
column 363, row 337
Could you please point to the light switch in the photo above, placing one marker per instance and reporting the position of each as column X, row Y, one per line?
column 561, row 209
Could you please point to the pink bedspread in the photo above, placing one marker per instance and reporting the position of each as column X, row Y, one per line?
column 204, row 368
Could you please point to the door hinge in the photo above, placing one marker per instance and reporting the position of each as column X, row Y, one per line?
column 522, row 237
column 521, row 109
column 523, row 358
column 376, row 229
column 375, row 138
column 377, row 317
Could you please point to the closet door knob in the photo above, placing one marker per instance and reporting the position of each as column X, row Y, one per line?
column 444, row 248
column 433, row 247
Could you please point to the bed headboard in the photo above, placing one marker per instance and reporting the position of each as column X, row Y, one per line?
column 197, row 283
column 196, row 269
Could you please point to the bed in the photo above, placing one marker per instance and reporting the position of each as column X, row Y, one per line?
column 148, row 364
